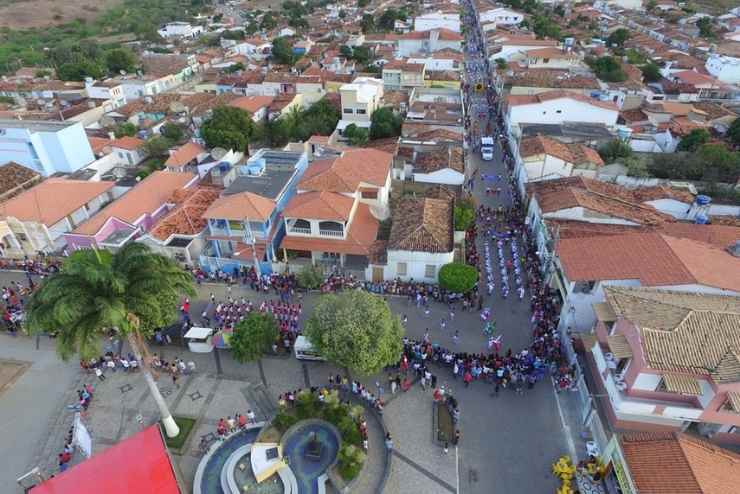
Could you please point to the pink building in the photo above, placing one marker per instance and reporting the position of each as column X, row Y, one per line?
column 668, row 360
column 133, row 213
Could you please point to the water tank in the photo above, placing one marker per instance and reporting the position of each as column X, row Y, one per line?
column 256, row 167
column 701, row 219
column 703, row 200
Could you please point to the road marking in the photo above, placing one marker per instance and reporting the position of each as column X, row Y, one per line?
column 566, row 428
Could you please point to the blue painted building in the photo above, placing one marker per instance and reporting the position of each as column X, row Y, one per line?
column 44, row 146
column 245, row 224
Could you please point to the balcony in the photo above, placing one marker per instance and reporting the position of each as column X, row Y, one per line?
column 331, row 233
column 300, row 230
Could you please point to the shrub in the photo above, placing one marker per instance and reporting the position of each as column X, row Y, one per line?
column 350, row 461
column 458, row 277
column 349, row 430
column 306, row 405
column 310, row 277
column 283, row 421
column 464, row 215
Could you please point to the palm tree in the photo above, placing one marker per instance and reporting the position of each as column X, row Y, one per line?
column 133, row 291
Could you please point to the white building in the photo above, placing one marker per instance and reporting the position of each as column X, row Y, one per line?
column 128, row 150
column 437, row 20
column 421, row 240
column 726, row 69
column 110, row 91
column 501, row 17
column 180, row 30
column 556, row 107
column 428, row 41
column 46, row 147
column 359, row 100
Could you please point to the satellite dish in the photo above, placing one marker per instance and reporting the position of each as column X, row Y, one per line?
column 218, row 153
column 177, row 107
column 119, row 172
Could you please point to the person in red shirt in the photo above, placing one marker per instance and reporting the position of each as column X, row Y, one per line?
column 468, row 377
column 242, row 420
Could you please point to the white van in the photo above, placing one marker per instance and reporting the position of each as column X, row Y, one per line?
column 486, row 148
column 304, row 350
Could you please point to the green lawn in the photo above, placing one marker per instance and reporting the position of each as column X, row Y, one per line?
column 186, row 425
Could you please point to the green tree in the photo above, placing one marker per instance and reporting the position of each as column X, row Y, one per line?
column 618, row 37
column 545, row 27
column 388, row 19
column 132, row 291
column 607, row 69
column 234, row 67
column 693, row 140
column 120, row 59
column 651, row 72
column 157, row 146
column 705, row 27
column 282, row 51
column 253, row 337
column 172, row 131
column 385, row 123
column 613, row 150
column 356, row 330
column 367, row 24
column 357, row 136
column 719, row 163
column 636, row 167
column 501, row 64
column 269, row 22
column 228, row 128
column 310, row 277
column 733, row 132
column 78, row 71
column 458, row 277
column 124, row 129
column 464, row 215
column 363, row 3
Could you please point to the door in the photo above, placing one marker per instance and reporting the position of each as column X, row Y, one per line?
column 377, row 274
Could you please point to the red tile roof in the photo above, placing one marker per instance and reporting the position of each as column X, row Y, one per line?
column 252, row 104
column 128, row 143
column 320, row 206
column 422, row 225
column 665, row 463
column 184, row 155
column 444, row 35
column 244, row 205
column 517, row 100
column 187, row 216
column 345, row 173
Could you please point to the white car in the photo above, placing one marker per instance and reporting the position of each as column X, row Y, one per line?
column 486, row 148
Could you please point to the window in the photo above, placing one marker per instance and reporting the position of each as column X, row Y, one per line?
column 236, row 225
column 430, row 271
column 559, row 111
column 369, row 194
column 546, row 60
column 401, row 269
column 348, row 111
column 662, row 387
column 361, row 111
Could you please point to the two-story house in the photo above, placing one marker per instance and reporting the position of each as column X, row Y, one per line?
column 359, row 101
column 334, row 218
column 37, row 219
column 399, row 74
column 428, row 41
column 245, row 224
column 669, row 359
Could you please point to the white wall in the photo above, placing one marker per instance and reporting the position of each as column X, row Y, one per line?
column 561, row 110
column 436, row 21
column 646, row 382
column 445, row 176
column 675, row 208
column 416, row 263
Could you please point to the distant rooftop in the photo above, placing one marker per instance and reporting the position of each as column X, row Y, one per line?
column 567, row 129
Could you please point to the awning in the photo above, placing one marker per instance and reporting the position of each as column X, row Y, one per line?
column 685, row 385
column 198, row 333
column 604, row 312
column 619, row 346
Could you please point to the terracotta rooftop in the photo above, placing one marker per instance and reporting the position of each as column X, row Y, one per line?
column 517, row 100
column 437, row 135
column 186, row 218
column 241, row 206
column 252, row 104
column 445, row 157
column 98, row 144
column 682, row 331
column 422, row 225
column 184, row 155
column 666, row 463
column 651, row 258
column 13, row 175
column 361, row 237
column 346, row 172
column 404, row 66
column 577, row 154
column 549, row 78
column 145, row 198
column 128, row 143
column 593, row 195
column 443, row 33
column 52, row 200
column 320, row 206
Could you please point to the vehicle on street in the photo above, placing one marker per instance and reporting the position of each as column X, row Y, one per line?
column 304, row 350
column 486, row 148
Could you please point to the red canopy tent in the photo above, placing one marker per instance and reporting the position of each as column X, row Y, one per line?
column 139, row 464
